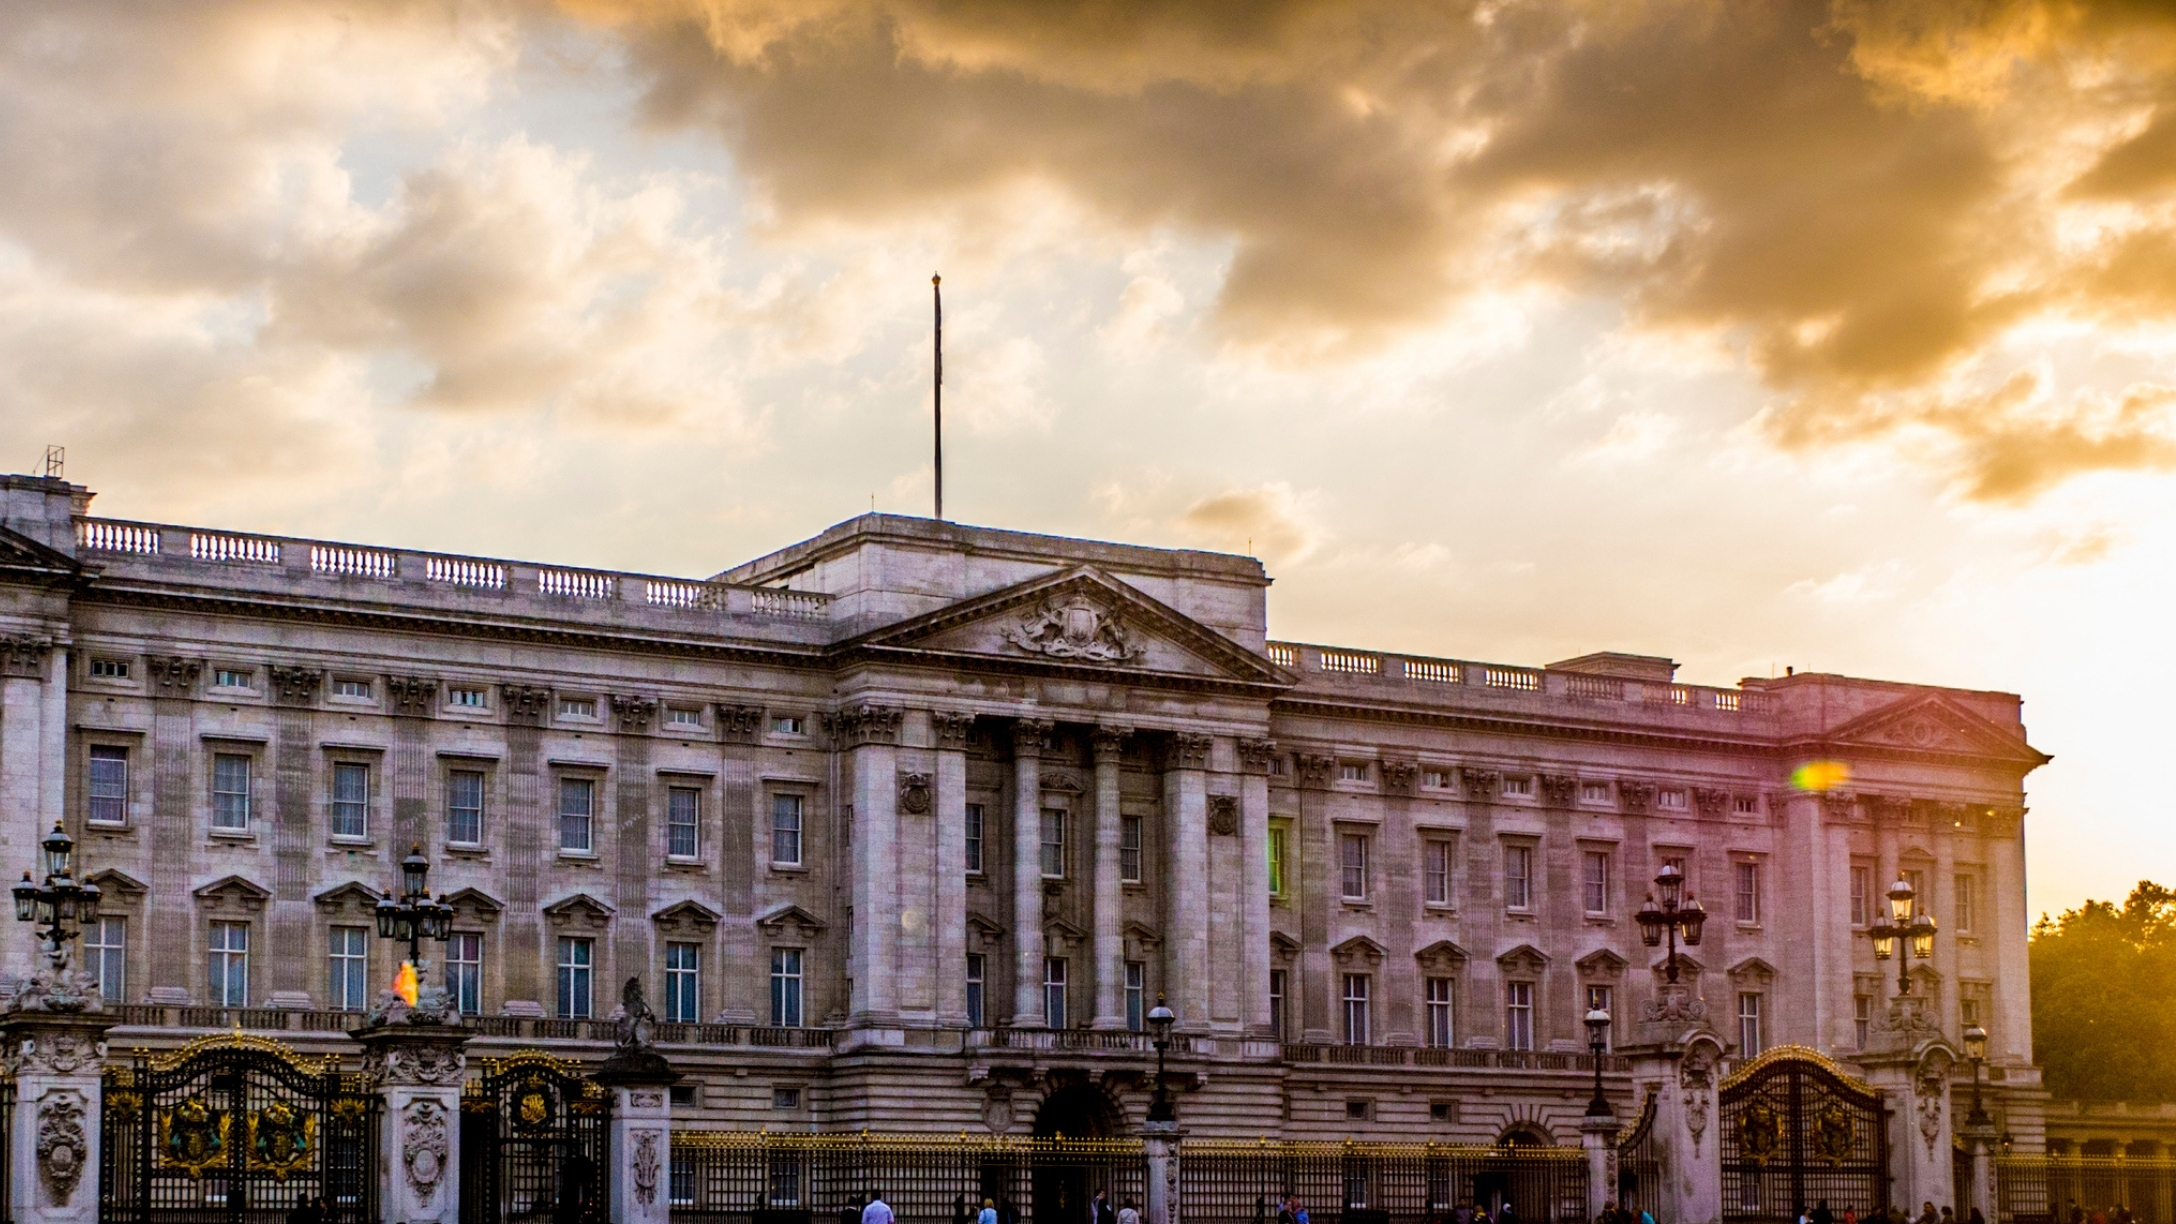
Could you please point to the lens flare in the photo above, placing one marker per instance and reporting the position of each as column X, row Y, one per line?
column 404, row 983
column 1818, row 776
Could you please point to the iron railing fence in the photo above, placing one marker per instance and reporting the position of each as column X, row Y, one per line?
column 2044, row 1189
column 761, row 1177
column 1226, row 1182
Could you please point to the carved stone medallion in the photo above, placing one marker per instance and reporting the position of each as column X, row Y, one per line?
column 1075, row 627
column 646, row 1165
column 1223, row 815
column 423, row 1146
column 62, row 1146
column 914, row 793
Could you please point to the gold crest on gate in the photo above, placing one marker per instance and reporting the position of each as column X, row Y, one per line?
column 193, row 1137
column 1760, row 1133
column 1834, row 1133
column 281, row 1141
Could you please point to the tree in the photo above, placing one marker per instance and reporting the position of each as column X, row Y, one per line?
column 2103, row 983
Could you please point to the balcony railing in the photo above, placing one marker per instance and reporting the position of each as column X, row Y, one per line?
column 1428, row 1056
column 295, row 1020
column 1500, row 681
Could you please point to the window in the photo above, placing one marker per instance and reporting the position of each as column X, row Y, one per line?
column 1439, row 1013
column 576, row 957
column 683, row 716
column 1276, row 1002
column 1129, row 849
column 1518, row 786
column 1963, row 905
column 788, row 724
column 975, row 980
column 1054, row 991
column 974, row 839
column 1436, row 779
column 1518, row 877
column 1749, row 1034
column 351, row 688
column 109, row 669
column 786, row 830
column 1599, row 999
column 1594, row 884
column 577, row 707
column 466, row 698
column 683, row 982
column 1356, row 1111
column 1280, row 842
column 1670, row 798
column 1519, row 1015
column 1435, row 870
column 1921, row 902
column 108, row 785
column 1356, row 1009
column 1968, row 1012
column 785, row 988
column 1352, row 771
column 1352, row 852
column 683, row 822
column 230, row 791
column 1136, row 983
column 577, row 810
column 1594, row 792
column 228, row 677
column 1861, row 882
column 1745, row 805
column 1441, row 1111
column 347, row 986
column 105, row 957
column 465, row 807
column 1053, row 843
column 229, row 968
column 465, row 972
column 350, row 799
column 1862, row 1016
column 785, row 1098
column 1748, row 909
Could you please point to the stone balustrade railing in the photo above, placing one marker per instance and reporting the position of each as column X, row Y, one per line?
column 1421, row 677
column 522, row 1028
column 1430, row 1056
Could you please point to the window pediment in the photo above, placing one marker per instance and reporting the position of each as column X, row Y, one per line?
column 692, row 917
column 580, row 911
column 789, row 919
column 234, row 893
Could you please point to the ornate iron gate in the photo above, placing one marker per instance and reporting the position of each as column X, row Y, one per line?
column 1639, row 1163
column 234, row 1128
column 535, row 1142
column 1798, row 1130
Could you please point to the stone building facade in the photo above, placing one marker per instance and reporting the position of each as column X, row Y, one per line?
column 904, row 826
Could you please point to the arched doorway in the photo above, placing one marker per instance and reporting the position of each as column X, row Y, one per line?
column 1076, row 1111
column 1066, row 1179
column 1528, row 1189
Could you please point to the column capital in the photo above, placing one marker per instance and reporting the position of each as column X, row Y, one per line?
column 175, row 675
column 739, row 724
column 1399, row 776
column 1188, row 750
column 24, row 655
column 1257, row 755
column 1110, row 743
column 525, row 703
column 413, row 696
column 1316, row 769
column 1031, row 736
column 951, row 728
column 865, row 723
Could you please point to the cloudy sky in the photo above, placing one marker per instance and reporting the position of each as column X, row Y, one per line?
column 1838, row 334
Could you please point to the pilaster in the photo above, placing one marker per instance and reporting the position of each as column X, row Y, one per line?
column 1186, row 904
column 1254, row 763
column 1110, row 945
column 949, row 732
column 870, row 734
column 1029, row 737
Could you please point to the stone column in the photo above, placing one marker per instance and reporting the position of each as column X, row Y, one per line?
column 870, row 733
column 1599, row 1137
column 1160, row 1143
column 2003, row 835
column 948, row 730
column 1110, row 746
column 54, row 1143
column 24, row 763
column 1029, row 737
column 418, row 1066
column 1254, row 762
column 1186, row 889
column 641, row 1082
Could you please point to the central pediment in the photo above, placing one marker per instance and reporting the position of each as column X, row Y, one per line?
column 1080, row 618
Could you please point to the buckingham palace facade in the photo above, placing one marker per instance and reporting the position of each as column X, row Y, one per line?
column 905, row 826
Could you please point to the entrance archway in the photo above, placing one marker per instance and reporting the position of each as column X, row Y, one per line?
column 1066, row 1177
column 1076, row 1111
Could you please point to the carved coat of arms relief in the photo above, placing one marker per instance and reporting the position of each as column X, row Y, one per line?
column 1075, row 627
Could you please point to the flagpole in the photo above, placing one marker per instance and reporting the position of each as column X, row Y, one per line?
column 937, row 294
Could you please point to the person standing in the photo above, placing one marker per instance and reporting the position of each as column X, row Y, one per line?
column 878, row 1211
column 988, row 1214
column 1099, row 1210
column 1128, row 1213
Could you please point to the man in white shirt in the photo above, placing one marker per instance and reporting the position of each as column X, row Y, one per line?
column 1128, row 1215
column 878, row 1211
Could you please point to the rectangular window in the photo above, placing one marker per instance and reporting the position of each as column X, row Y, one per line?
column 1519, row 1015
column 683, row 982
column 1520, row 786
column 683, row 717
column 577, row 814
column 576, row 962
column 1921, row 901
column 108, row 785
column 105, row 957
column 1053, row 844
column 788, row 724
column 577, row 707
column 786, row 830
column 1280, row 841
column 683, row 822
column 348, row 984
column 1861, row 880
column 1136, row 991
column 1599, row 999
column 1968, row 1012
column 974, row 839
column 1276, row 1002
column 1749, row 1033
column 1352, row 771
column 1436, row 779
column 1518, row 877
column 1435, row 871
column 228, row 677
column 109, row 669
column 1748, row 909
column 465, row 807
column 1440, row 1031
column 1054, row 991
column 975, row 981
column 1963, row 905
column 1862, row 1016
column 350, row 799
column 785, row 1098
column 229, row 968
column 1594, row 885
column 230, row 791
column 1353, row 866
column 1594, row 792
column 465, row 972
column 1129, row 849
column 1670, row 799
column 466, row 698
column 785, row 988
column 1745, row 805
column 1356, row 1009
column 351, row 688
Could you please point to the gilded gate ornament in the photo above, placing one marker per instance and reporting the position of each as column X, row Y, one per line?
column 533, row 1104
column 193, row 1137
column 1760, row 1133
column 1834, row 1133
column 282, row 1141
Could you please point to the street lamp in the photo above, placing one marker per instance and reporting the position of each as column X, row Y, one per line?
column 1975, row 1052
column 415, row 917
column 60, row 902
column 1669, row 918
column 1159, row 1025
column 1907, row 927
column 1598, row 1040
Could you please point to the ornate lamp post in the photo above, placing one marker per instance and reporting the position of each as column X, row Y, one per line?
column 1670, row 917
column 1908, row 926
column 1975, row 1052
column 1597, row 1023
column 415, row 917
column 1160, row 1019
column 60, row 903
